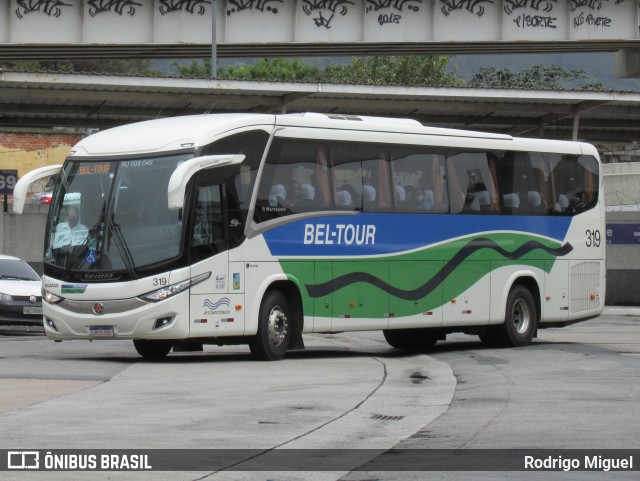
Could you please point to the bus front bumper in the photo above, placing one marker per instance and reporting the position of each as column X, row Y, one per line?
column 117, row 319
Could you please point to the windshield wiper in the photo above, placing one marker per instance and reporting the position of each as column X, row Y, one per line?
column 16, row 278
column 122, row 246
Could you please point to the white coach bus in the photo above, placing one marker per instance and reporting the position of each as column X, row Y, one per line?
column 240, row 228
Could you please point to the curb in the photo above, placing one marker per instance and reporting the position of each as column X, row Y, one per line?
column 17, row 330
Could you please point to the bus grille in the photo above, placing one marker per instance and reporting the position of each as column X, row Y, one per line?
column 585, row 286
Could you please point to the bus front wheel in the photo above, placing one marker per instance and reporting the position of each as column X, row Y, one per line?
column 274, row 333
column 520, row 319
column 152, row 349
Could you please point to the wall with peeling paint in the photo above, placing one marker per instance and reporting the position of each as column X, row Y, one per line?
column 25, row 151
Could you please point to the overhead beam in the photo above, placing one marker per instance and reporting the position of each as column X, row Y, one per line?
column 91, row 52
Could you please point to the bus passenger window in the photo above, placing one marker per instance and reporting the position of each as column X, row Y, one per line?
column 294, row 180
column 472, row 185
column 418, row 177
column 523, row 186
column 575, row 183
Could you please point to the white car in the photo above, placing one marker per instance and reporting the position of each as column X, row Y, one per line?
column 43, row 197
column 20, row 292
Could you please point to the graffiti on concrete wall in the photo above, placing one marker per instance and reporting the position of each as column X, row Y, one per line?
column 593, row 4
column 542, row 17
column 118, row 6
column 591, row 13
column 475, row 7
column 532, row 19
column 391, row 11
column 323, row 11
column 189, row 6
column 52, row 8
column 541, row 5
column 235, row 6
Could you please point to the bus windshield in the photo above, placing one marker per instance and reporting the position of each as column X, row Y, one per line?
column 100, row 221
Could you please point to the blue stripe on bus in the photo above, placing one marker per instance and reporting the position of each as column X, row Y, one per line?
column 376, row 234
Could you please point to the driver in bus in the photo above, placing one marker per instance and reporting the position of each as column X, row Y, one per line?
column 70, row 233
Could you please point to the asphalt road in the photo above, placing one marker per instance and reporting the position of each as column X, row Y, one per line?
column 575, row 387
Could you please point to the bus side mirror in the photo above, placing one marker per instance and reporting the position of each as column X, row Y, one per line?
column 22, row 186
column 183, row 173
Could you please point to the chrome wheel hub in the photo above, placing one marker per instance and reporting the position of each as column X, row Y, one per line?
column 521, row 316
column 278, row 326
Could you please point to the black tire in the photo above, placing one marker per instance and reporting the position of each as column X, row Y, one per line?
column 153, row 349
column 411, row 339
column 520, row 319
column 274, row 333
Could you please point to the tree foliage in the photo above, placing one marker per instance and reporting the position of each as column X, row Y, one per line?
column 538, row 77
column 98, row 66
column 417, row 70
column 272, row 69
column 379, row 70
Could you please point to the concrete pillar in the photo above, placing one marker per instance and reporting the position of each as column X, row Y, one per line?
column 627, row 63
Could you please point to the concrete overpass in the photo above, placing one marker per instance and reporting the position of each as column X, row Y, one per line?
column 56, row 29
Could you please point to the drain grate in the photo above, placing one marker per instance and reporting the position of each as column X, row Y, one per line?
column 385, row 417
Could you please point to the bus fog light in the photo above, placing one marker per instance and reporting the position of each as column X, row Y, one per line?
column 162, row 322
column 50, row 324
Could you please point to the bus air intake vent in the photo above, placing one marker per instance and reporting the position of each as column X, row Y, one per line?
column 585, row 286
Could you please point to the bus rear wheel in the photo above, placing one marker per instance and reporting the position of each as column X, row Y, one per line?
column 520, row 319
column 272, row 339
column 411, row 339
column 152, row 349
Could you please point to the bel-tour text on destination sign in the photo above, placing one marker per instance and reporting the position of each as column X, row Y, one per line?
column 557, row 463
column 340, row 234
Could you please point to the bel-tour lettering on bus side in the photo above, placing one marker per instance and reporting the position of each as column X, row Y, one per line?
column 340, row 234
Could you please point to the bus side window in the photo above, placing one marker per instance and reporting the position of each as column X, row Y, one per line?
column 241, row 179
column 208, row 234
column 569, row 181
column 521, row 187
column 471, row 177
column 360, row 176
column 294, row 180
column 591, row 179
column 575, row 182
column 418, row 177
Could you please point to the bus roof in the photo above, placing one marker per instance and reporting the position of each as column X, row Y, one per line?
column 165, row 135
column 378, row 124
column 179, row 133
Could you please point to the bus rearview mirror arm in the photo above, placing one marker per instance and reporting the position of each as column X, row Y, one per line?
column 183, row 173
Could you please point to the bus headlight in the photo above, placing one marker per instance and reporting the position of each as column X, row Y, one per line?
column 170, row 291
column 51, row 298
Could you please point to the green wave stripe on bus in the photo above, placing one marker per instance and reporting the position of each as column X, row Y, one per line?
column 415, row 282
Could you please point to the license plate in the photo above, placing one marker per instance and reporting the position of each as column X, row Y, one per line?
column 101, row 331
column 32, row 310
